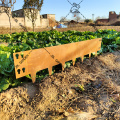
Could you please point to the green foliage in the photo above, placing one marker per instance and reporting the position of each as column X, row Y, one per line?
column 68, row 64
column 33, row 40
column 80, row 87
column 88, row 20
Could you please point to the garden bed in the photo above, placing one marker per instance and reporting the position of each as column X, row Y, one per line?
column 90, row 90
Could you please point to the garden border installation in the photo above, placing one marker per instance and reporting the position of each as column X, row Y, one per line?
column 32, row 61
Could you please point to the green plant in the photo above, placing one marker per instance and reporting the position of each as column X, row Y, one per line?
column 81, row 87
column 34, row 40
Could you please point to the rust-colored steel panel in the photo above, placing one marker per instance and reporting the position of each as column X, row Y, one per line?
column 32, row 61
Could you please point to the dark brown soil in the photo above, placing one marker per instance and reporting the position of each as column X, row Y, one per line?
column 86, row 91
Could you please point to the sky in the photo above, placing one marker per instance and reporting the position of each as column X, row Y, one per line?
column 87, row 7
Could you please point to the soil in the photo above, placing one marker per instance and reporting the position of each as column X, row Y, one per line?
column 81, row 28
column 86, row 91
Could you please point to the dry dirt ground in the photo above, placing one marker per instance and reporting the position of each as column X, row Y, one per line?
column 86, row 91
column 81, row 28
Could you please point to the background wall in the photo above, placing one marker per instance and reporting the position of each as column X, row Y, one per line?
column 23, row 20
column 44, row 23
column 4, row 20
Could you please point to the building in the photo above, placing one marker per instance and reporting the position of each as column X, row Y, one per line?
column 18, row 18
column 113, row 18
column 48, row 20
column 21, row 17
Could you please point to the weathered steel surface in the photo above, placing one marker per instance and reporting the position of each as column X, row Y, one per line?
column 39, row 59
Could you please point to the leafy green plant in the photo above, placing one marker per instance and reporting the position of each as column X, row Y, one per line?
column 80, row 87
column 33, row 40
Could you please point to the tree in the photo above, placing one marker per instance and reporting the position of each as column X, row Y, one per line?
column 52, row 22
column 62, row 19
column 88, row 21
column 6, row 7
column 32, row 9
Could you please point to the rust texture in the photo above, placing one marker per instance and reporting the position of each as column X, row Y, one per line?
column 32, row 61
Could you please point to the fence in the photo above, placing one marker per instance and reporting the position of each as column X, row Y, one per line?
column 32, row 61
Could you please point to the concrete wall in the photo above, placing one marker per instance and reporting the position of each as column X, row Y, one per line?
column 20, row 21
column 48, row 20
column 51, row 16
column 44, row 23
column 28, row 22
column 23, row 20
column 4, row 20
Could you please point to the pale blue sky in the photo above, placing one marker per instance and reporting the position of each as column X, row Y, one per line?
column 87, row 7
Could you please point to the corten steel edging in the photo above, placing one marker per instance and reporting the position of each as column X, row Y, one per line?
column 39, row 59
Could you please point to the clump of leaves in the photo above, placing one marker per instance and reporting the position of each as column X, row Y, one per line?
column 79, row 87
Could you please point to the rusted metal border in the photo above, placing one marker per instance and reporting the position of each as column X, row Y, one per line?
column 32, row 61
